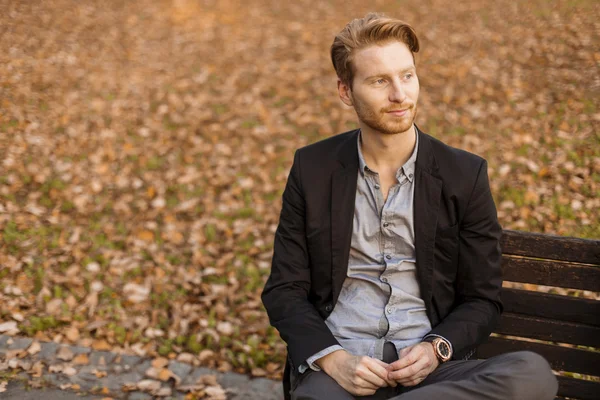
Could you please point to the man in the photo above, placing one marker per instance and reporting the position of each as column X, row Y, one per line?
column 386, row 267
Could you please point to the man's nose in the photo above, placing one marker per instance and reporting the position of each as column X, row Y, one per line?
column 397, row 94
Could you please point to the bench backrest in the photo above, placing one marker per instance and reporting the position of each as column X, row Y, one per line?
column 560, row 324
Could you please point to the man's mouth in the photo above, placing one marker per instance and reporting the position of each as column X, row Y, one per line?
column 398, row 113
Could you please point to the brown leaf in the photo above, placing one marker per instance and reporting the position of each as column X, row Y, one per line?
column 65, row 353
column 146, row 235
column 259, row 372
column 160, row 362
column 34, row 348
column 81, row 359
column 100, row 345
column 164, row 375
column 72, row 334
column 208, row 380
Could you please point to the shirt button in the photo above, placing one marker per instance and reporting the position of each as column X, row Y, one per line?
column 389, row 310
column 377, row 186
column 328, row 307
column 388, row 257
column 410, row 175
column 386, row 224
column 384, row 280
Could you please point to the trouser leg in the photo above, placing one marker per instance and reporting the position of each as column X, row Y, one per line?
column 518, row 375
column 314, row 385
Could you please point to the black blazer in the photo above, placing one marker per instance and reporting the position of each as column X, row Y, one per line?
column 457, row 238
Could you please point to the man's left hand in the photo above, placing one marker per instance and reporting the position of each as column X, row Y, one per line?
column 415, row 363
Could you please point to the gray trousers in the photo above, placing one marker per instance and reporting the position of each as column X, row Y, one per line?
column 518, row 375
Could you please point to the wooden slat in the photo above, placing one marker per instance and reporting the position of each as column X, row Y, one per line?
column 560, row 358
column 552, row 306
column 551, row 273
column 578, row 388
column 551, row 247
column 549, row 330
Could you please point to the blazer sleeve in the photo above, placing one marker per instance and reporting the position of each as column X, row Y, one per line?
column 479, row 277
column 285, row 295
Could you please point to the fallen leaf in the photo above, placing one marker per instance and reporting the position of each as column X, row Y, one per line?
column 148, row 385
column 100, row 345
column 34, row 348
column 72, row 334
column 160, row 362
column 8, row 326
column 81, row 359
column 65, row 353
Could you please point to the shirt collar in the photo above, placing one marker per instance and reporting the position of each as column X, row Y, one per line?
column 408, row 169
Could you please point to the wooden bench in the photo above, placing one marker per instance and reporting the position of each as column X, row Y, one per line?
column 565, row 328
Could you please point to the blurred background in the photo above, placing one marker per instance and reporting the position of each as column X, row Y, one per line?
column 144, row 147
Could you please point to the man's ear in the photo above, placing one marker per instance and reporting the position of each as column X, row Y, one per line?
column 345, row 93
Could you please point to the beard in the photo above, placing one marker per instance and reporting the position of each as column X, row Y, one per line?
column 385, row 123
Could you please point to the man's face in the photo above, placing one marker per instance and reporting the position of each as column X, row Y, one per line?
column 385, row 88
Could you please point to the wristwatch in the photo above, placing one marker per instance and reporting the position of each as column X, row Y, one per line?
column 441, row 347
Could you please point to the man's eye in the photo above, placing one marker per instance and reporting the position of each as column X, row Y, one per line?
column 380, row 81
column 408, row 76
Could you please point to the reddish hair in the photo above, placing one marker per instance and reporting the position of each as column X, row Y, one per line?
column 372, row 29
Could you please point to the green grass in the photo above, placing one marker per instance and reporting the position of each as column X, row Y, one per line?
column 249, row 123
column 154, row 163
column 39, row 324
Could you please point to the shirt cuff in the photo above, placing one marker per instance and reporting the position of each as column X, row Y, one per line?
column 310, row 362
column 440, row 336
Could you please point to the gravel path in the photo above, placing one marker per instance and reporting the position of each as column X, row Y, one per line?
column 56, row 371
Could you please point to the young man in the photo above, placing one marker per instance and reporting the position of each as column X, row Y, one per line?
column 386, row 267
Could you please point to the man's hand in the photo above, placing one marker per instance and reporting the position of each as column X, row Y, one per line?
column 415, row 363
column 358, row 375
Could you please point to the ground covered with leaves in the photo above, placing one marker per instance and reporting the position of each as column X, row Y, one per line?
column 144, row 147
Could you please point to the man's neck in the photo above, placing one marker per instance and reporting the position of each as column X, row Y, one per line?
column 387, row 152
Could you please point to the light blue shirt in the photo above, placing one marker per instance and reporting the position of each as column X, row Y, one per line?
column 380, row 299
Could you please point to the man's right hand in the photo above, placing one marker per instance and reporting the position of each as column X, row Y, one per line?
column 358, row 375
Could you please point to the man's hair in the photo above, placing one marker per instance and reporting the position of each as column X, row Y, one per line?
column 373, row 28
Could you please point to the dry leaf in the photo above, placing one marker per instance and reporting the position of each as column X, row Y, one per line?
column 258, row 372
column 34, row 348
column 65, row 353
column 72, row 334
column 100, row 345
column 160, row 362
column 146, row 235
column 81, row 359
column 208, row 380
column 69, row 371
column 148, row 385
column 8, row 326
column 215, row 393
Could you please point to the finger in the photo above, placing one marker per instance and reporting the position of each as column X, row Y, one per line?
column 361, row 382
column 380, row 368
column 363, row 392
column 410, row 356
column 404, row 351
column 413, row 382
column 416, row 370
column 365, row 371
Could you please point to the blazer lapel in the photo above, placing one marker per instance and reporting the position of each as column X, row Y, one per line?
column 428, row 189
column 343, row 195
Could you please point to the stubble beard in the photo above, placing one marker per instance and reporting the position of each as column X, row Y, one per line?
column 375, row 120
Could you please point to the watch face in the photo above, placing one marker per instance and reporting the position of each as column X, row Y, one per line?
column 444, row 349
column 444, row 353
